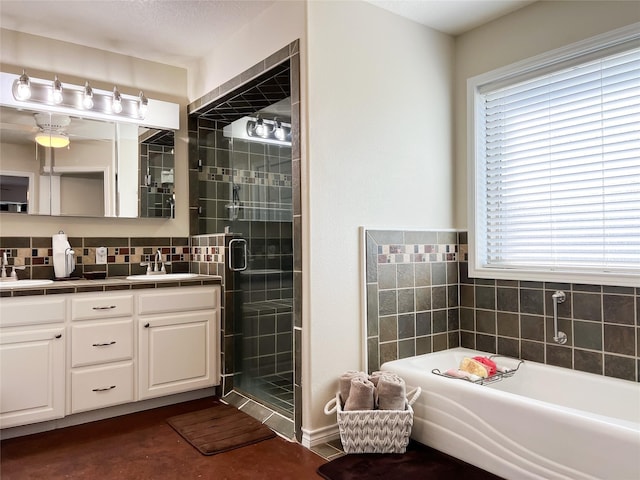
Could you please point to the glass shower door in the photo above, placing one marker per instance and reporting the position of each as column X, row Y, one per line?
column 260, row 212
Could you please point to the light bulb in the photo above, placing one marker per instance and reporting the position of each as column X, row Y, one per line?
column 143, row 105
column 87, row 99
column 116, row 101
column 279, row 132
column 56, row 90
column 23, row 90
column 261, row 128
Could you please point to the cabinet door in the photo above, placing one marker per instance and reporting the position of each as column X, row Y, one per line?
column 32, row 376
column 177, row 353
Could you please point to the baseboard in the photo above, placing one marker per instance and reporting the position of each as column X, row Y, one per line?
column 311, row 438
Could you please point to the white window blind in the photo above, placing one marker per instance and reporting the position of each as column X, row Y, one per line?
column 558, row 183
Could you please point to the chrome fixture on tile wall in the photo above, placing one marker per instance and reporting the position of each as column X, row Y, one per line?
column 81, row 98
column 270, row 131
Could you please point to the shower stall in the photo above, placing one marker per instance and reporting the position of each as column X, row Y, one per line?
column 244, row 188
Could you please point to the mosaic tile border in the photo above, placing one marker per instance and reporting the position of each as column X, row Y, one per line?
column 413, row 253
column 245, row 177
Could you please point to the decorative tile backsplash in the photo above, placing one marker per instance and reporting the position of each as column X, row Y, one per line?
column 417, row 305
column 124, row 255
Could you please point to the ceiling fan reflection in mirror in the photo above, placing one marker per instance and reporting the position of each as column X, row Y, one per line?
column 53, row 130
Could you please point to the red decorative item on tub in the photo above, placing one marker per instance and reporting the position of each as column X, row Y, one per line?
column 487, row 362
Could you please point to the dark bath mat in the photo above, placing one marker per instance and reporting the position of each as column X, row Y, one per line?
column 419, row 461
column 219, row 429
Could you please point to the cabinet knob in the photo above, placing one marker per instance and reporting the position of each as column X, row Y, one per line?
column 146, row 325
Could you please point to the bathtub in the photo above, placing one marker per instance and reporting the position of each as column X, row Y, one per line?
column 544, row 422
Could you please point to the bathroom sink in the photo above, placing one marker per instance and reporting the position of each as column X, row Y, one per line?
column 25, row 283
column 162, row 277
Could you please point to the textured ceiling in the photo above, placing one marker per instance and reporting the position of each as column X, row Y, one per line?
column 175, row 32
column 178, row 32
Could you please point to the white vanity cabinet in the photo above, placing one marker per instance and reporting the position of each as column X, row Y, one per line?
column 32, row 360
column 178, row 336
column 101, row 360
column 67, row 353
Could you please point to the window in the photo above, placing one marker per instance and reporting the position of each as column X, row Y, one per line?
column 555, row 166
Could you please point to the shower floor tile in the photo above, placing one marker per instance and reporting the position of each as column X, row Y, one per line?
column 275, row 390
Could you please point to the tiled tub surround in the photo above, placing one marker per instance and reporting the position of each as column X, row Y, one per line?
column 416, row 306
column 124, row 255
column 412, row 294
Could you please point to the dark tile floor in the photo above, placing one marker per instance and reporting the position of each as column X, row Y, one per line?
column 143, row 446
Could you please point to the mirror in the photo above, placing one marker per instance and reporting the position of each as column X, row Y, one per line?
column 107, row 169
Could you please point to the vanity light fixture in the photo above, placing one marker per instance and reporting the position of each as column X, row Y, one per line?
column 56, row 91
column 269, row 131
column 82, row 100
column 22, row 87
column 87, row 96
column 116, row 101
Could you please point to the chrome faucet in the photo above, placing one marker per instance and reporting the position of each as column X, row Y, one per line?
column 158, row 262
column 5, row 263
column 155, row 265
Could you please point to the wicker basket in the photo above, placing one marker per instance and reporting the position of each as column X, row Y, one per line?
column 374, row 431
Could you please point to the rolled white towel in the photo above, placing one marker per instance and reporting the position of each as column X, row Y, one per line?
column 392, row 393
column 361, row 395
column 345, row 383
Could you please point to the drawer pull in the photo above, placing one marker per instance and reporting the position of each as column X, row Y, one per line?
column 110, row 307
column 103, row 389
column 59, row 335
column 104, row 344
column 147, row 325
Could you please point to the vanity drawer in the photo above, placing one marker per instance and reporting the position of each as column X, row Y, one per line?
column 102, row 342
column 99, row 387
column 37, row 310
column 182, row 299
column 101, row 306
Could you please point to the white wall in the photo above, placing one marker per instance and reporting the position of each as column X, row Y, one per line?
column 537, row 28
column 42, row 58
column 380, row 155
column 276, row 27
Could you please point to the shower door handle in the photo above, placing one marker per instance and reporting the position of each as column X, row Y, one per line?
column 238, row 244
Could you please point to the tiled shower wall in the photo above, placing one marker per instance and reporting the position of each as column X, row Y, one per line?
column 422, row 309
column 157, row 166
column 266, row 303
